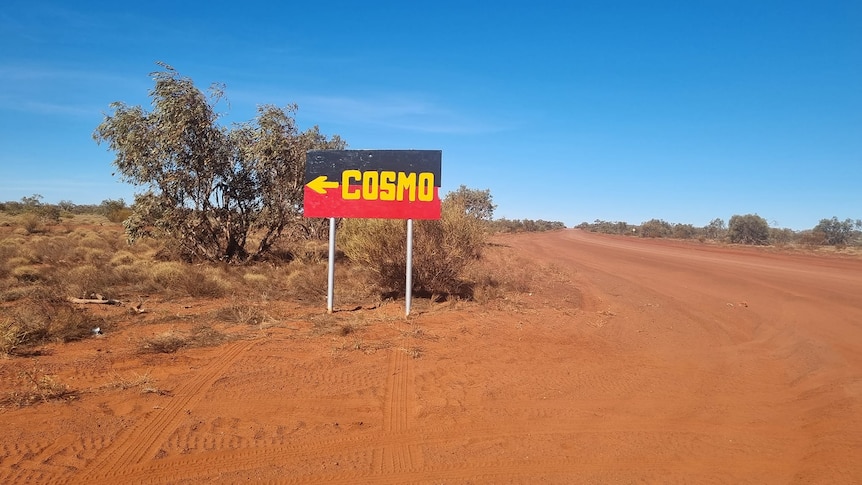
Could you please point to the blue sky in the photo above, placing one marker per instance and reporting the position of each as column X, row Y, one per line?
column 570, row 111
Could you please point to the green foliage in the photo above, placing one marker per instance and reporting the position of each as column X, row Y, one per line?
column 524, row 225
column 748, row 229
column 835, row 232
column 115, row 210
column 716, row 229
column 476, row 203
column 683, row 231
column 33, row 212
column 608, row 227
column 208, row 188
column 656, row 228
column 781, row 236
column 442, row 250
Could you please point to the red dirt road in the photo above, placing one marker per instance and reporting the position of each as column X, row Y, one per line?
column 627, row 360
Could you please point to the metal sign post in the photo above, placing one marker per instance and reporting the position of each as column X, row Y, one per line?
column 330, row 285
column 408, row 287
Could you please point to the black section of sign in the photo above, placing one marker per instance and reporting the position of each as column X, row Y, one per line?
column 333, row 162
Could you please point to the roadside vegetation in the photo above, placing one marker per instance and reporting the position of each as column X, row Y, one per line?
column 217, row 218
column 749, row 229
column 54, row 257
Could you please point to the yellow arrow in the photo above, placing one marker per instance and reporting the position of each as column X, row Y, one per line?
column 320, row 184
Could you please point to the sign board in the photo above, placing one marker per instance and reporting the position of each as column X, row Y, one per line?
column 383, row 184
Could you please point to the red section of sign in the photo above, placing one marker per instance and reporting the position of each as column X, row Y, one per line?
column 331, row 204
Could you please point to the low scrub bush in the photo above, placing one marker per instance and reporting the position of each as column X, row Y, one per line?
column 170, row 342
column 442, row 251
column 165, row 343
column 307, row 281
column 34, row 322
column 190, row 280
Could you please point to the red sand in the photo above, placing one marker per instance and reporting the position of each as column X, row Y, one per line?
column 631, row 361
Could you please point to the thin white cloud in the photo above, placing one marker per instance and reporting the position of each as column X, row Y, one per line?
column 392, row 111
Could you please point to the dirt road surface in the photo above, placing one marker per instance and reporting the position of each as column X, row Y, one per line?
column 623, row 361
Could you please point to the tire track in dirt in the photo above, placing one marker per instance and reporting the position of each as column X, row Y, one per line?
column 144, row 439
column 399, row 455
column 210, row 464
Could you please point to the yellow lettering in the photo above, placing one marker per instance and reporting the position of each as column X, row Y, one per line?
column 406, row 182
column 346, row 177
column 426, row 186
column 387, row 185
column 370, row 185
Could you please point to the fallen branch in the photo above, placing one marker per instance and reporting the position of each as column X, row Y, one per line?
column 95, row 301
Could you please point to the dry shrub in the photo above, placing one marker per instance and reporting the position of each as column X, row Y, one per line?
column 307, row 281
column 17, row 261
column 170, row 342
column 10, row 247
column 83, row 281
column 206, row 336
column 30, row 273
column 256, row 281
column 12, row 290
column 164, row 343
column 240, row 313
column 89, row 255
column 118, row 215
column 132, row 275
column 51, row 250
column 93, row 240
column 442, row 251
column 168, row 274
column 32, row 223
column 206, row 282
column 122, row 258
column 311, row 252
column 33, row 322
column 190, row 280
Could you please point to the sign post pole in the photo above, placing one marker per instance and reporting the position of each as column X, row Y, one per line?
column 330, row 290
column 408, row 288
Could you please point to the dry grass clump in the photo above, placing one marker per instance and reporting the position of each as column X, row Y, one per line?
column 189, row 280
column 38, row 321
column 164, row 343
column 170, row 342
column 168, row 274
column 257, row 282
column 134, row 277
column 83, row 281
column 308, row 281
column 88, row 255
column 52, row 250
column 28, row 273
column 208, row 282
column 31, row 223
column 122, row 258
column 242, row 314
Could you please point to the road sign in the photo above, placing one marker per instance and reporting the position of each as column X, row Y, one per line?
column 384, row 184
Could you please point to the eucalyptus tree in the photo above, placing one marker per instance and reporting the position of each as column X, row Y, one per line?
column 748, row 229
column 209, row 189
